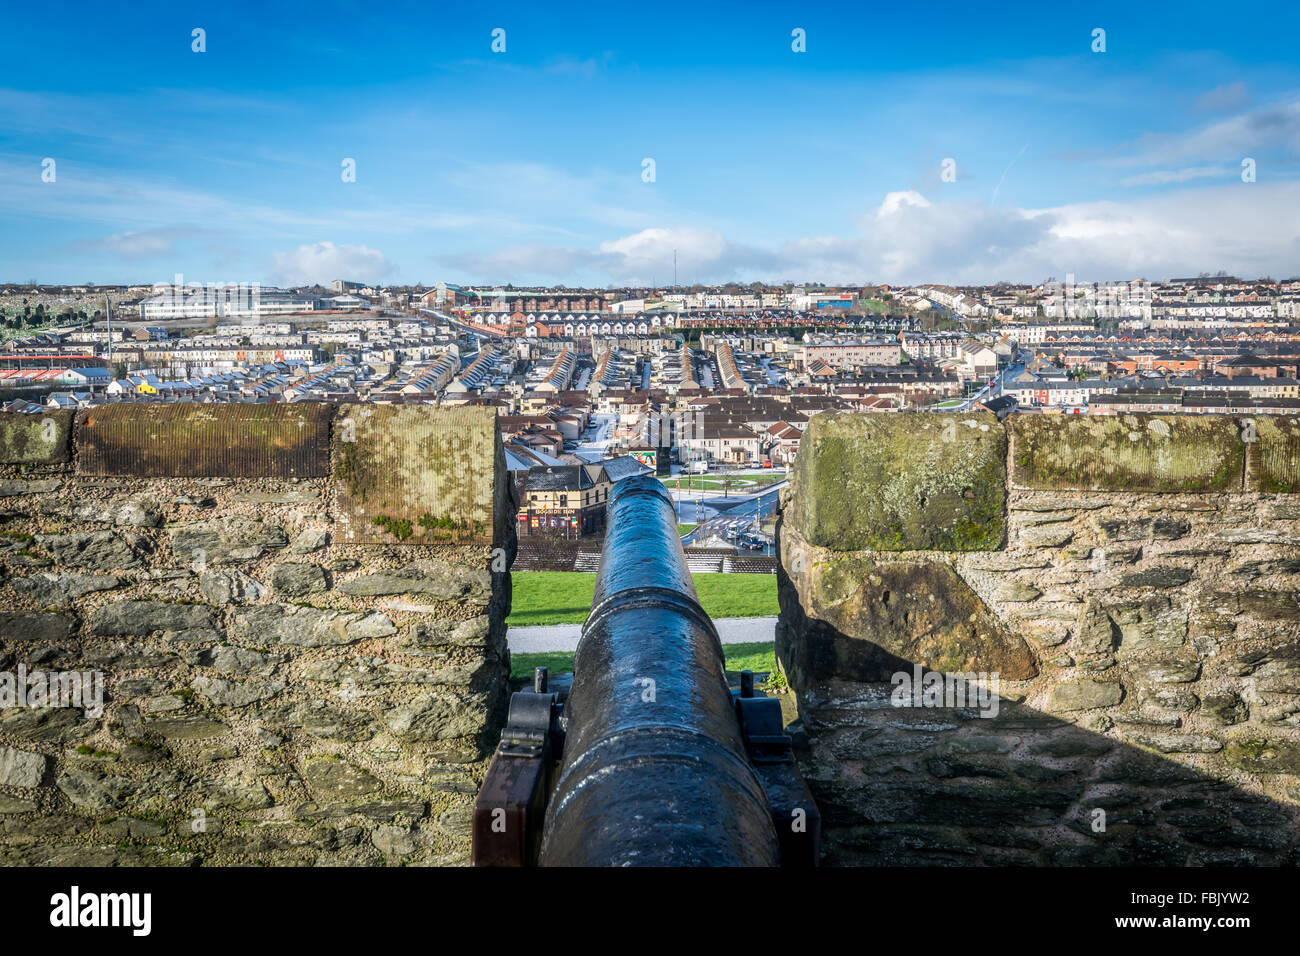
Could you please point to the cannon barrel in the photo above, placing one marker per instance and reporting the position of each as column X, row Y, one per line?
column 652, row 760
column 655, row 772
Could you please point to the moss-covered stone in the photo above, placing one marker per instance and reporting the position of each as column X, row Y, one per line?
column 866, row 616
column 197, row 441
column 1257, row 755
column 901, row 482
column 187, row 728
column 34, row 439
column 1085, row 695
column 419, row 475
column 1273, row 458
column 1154, row 453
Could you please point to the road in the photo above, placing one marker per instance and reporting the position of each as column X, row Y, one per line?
column 558, row 638
column 991, row 390
column 774, row 375
column 595, row 441
column 452, row 320
column 724, row 517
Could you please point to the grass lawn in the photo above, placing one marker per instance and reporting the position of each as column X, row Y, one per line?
column 564, row 597
column 521, row 665
column 685, row 529
column 759, row 658
column 743, row 484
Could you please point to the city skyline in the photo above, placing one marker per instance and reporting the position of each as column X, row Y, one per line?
column 528, row 165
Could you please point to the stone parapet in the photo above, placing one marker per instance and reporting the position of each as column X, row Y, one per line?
column 289, row 677
column 1139, row 618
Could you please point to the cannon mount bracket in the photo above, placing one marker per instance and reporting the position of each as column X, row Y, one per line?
column 511, row 805
column 771, row 751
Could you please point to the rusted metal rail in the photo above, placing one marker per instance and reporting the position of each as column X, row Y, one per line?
column 652, row 760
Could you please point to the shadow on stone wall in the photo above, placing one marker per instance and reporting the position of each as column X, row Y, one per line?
column 944, row 786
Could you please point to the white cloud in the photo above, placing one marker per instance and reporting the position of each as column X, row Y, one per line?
column 1231, row 96
column 650, row 252
column 573, row 66
column 134, row 246
column 1272, row 127
column 323, row 262
column 643, row 257
column 1246, row 229
column 1161, row 177
column 896, row 201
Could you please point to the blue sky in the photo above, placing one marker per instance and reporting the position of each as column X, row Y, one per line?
column 527, row 166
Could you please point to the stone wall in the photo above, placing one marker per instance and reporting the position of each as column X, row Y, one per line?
column 1132, row 582
column 299, row 615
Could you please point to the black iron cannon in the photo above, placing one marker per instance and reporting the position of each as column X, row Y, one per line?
column 652, row 760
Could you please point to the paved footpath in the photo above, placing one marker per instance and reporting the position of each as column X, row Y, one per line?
column 564, row 637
